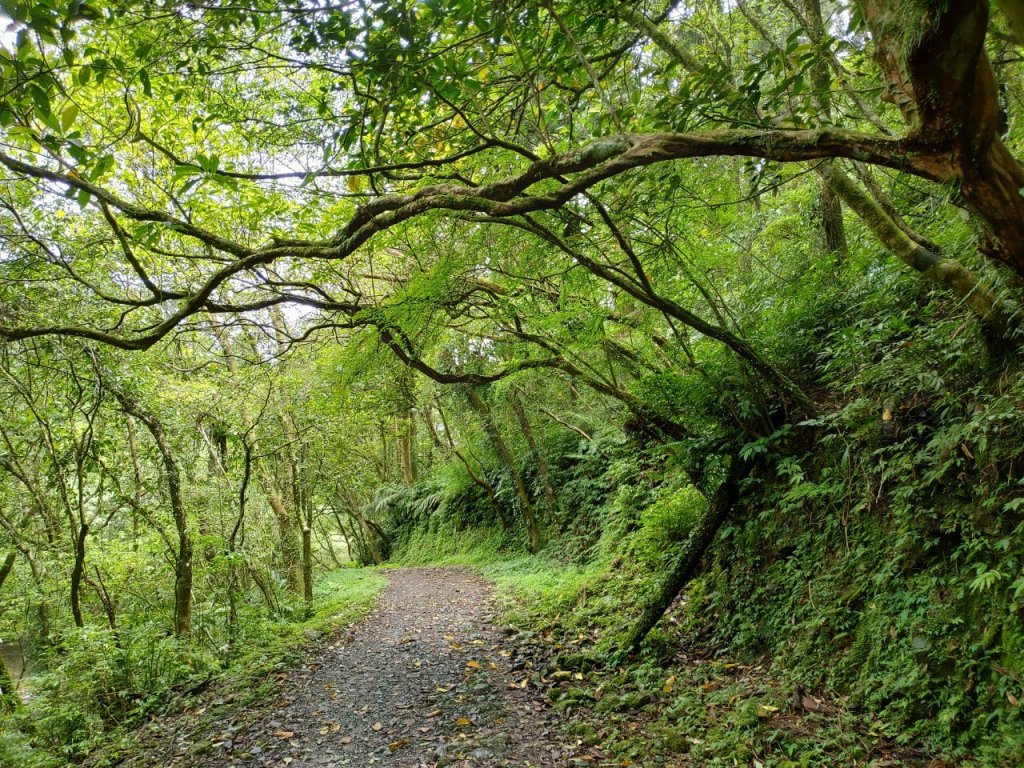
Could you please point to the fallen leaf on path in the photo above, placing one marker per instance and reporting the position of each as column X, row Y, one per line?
column 463, row 721
column 394, row 746
column 377, row 726
column 284, row 734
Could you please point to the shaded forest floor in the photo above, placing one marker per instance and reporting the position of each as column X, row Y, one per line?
column 432, row 679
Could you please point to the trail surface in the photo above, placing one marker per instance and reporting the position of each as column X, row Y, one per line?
column 426, row 681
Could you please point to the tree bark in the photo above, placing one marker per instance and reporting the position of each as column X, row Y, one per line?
column 542, row 465
column 407, row 428
column 968, row 86
column 1001, row 316
column 686, row 564
column 77, row 572
column 307, row 554
column 833, row 231
column 6, row 568
column 183, row 559
column 534, row 541
column 941, row 79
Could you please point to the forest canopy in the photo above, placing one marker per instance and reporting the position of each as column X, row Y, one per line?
column 685, row 285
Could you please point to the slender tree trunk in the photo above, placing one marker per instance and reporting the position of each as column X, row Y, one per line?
column 6, row 567
column 833, row 231
column 77, row 572
column 133, row 450
column 686, row 564
column 183, row 560
column 405, row 451
column 307, row 555
column 293, row 469
column 289, row 546
column 406, row 427
column 236, row 530
column 328, row 544
column 534, row 541
column 109, row 607
column 542, row 465
column 477, row 477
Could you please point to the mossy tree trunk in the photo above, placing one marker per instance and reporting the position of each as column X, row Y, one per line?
column 534, row 541
column 686, row 564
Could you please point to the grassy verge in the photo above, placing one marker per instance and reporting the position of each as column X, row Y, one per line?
column 678, row 704
column 340, row 598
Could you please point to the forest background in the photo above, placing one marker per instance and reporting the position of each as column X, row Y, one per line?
column 621, row 302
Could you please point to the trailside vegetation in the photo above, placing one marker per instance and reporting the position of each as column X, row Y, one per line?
column 695, row 325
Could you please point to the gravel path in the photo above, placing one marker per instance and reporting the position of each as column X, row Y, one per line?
column 426, row 681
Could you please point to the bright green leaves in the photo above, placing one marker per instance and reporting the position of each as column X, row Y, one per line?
column 147, row 86
column 68, row 117
column 41, row 100
column 102, row 168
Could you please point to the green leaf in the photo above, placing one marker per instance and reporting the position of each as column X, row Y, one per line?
column 41, row 99
column 147, row 87
column 68, row 116
column 184, row 171
column 49, row 120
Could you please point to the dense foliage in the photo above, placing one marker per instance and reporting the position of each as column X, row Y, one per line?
column 620, row 301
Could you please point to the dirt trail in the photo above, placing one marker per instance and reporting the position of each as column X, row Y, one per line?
column 426, row 681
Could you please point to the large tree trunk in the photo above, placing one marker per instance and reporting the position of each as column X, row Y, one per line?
column 942, row 81
column 289, row 545
column 685, row 566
